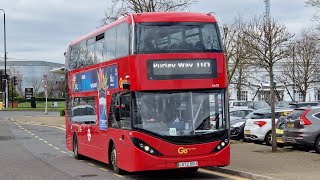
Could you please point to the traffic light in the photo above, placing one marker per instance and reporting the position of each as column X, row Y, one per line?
column 6, row 76
column 15, row 82
column 1, row 86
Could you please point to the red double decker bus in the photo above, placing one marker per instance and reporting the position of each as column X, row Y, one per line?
column 148, row 92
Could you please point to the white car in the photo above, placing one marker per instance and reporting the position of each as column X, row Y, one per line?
column 258, row 127
column 238, row 104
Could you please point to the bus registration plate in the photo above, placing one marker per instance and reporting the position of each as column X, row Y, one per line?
column 187, row 164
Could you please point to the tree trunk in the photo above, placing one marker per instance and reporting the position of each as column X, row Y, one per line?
column 274, row 142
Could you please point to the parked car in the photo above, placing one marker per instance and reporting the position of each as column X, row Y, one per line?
column 280, row 129
column 237, row 126
column 302, row 104
column 282, row 104
column 238, row 104
column 239, row 113
column 258, row 127
column 257, row 105
column 302, row 129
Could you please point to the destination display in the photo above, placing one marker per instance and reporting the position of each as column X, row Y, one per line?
column 182, row 69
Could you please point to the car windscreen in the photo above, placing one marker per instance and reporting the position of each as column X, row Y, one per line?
column 264, row 115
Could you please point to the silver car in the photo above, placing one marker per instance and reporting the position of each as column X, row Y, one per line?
column 302, row 129
column 239, row 113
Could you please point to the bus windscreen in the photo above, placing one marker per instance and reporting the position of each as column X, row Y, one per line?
column 180, row 113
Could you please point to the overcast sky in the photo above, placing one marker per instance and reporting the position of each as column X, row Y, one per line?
column 42, row 29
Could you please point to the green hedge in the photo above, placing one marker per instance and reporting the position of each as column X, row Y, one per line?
column 50, row 99
column 21, row 99
column 62, row 112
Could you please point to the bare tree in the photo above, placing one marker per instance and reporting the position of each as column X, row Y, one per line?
column 303, row 71
column 316, row 4
column 236, row 54
column 36, row 84
column 120, row 8
column 266, row 40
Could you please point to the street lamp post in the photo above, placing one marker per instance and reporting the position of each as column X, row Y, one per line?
column 5, row 57
column 45, row 78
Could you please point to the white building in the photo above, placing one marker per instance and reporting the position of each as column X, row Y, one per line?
column 257, row 87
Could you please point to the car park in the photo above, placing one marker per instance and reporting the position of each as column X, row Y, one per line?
column 258, row 127
column 237, row 127
column 302, row 129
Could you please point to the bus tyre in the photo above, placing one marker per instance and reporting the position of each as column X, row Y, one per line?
column 317, row 145
column 75, row 148
column 114, row 161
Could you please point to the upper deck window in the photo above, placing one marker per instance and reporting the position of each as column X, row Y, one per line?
column 177, row 37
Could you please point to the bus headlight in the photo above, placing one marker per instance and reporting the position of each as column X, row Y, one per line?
column 145, row 147
column 221, row 145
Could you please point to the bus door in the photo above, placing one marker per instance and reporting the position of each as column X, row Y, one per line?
column 120, row 119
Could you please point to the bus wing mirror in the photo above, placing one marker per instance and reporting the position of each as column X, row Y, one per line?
column 126, row 85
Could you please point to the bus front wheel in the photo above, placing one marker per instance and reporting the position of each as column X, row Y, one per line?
column 75, row 148
column 114, row 161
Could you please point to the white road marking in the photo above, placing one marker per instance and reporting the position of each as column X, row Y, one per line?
column 221, row 174
column 92, row 164
column 104, row 169
column 119, row 175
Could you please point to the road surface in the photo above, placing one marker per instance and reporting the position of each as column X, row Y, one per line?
column 39, row 152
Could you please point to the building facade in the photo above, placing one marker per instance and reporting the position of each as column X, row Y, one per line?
column 34, row 74
column 256, row 86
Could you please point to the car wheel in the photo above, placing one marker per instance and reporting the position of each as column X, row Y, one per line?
column 317, row 145
column 114, row 161
column 280, row 145
column 75, row 148
column 268, row 138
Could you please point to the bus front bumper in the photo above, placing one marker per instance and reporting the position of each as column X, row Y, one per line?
column 145, row 162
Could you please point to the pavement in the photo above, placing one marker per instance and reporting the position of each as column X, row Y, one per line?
column 248, row 160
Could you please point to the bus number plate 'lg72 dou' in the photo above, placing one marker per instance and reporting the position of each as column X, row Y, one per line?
column 188, row 164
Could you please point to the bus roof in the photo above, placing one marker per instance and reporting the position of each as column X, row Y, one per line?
column 152, row 17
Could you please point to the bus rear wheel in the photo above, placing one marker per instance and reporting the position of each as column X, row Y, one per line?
column 114, row 161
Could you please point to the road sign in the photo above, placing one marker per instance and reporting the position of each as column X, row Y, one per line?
column 28, row 93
